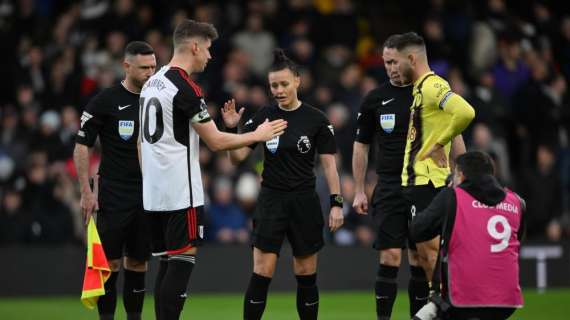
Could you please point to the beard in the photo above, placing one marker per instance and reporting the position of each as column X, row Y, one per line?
column 407, row 75
column 139, row 83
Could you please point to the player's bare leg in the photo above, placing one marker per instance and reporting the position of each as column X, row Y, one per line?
column 305, row 269
column 134, row 287
column 107, row 303
column 264, row 263
column 428, row 251
column 256, row 295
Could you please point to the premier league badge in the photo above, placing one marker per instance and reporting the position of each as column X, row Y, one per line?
column 304, row 144
column 126, row 129
column 387, row 122
column 272, row 144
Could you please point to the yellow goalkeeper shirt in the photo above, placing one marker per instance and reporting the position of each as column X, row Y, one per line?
column 437, row 116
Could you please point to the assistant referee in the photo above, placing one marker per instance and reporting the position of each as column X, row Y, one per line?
column 113, row 116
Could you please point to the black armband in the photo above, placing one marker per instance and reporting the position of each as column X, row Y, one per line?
column 232, row 130
column 336, row 200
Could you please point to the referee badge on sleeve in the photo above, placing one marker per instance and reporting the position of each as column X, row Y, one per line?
column 387, row 122
column 126, row 129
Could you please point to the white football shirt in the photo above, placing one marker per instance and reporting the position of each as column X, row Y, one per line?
column 169, row 103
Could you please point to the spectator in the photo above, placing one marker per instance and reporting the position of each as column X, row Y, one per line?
column 247, row 190
column 542, row 190
column 228, row 224
column 484, row 140
column 47, row 138
column 14, row 221
column 510, row 72
column 12, row 140
column 490, row 106
column 257, row 43
column 50, row 219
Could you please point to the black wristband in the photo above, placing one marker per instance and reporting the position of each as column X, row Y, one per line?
column 336, row 200
column 232, row 130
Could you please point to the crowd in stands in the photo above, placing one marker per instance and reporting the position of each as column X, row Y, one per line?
column 509, row 59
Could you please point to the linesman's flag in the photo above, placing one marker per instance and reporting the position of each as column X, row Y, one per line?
column 97, row 269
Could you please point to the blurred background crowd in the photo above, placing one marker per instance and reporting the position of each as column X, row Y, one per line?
column 509, row 59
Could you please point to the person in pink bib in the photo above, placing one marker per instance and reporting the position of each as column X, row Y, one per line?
column 481, row 224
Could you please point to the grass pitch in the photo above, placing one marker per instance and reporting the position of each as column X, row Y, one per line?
column 345, row 305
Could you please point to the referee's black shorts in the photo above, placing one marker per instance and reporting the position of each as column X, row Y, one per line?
column 419, row 198
column 124, row 233
column 295, row 215
column 390, row 214
column 121, row 222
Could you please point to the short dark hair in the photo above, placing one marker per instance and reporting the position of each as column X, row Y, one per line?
column 138, row 47
column 281, row 62
column 390, row 42
column 190, row 28
column 404, row 40
column 474, row 164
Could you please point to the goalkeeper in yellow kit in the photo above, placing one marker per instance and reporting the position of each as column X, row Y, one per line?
column 437, row 116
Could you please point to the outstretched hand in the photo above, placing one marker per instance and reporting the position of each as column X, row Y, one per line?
column 229, row 114
column 268, row 130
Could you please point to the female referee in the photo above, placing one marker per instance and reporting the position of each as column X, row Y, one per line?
column 288, row 205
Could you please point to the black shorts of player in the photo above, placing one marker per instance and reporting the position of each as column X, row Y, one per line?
column 419, row 198
column 297, row 215
column 479, row 313
column 390, row 214
column 124, row 233
column 174, row 232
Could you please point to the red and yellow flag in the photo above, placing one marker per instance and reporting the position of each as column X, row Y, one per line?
column 97, row 269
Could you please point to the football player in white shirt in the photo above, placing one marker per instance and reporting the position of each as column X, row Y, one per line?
column 173, row 118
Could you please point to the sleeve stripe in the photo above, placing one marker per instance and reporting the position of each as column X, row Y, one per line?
column 445, row 98
column 194, row 86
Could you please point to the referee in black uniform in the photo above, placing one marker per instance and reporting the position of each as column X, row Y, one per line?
column 288, row 205
column 113, row 115
column 385, row 115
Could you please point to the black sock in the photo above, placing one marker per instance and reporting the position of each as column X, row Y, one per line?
column 106, row 304
column 255, row 297
column 386, row 289
column 133, row 294
column 418, row 290
column 163, row 266
column 307, row 297
column 174, row 285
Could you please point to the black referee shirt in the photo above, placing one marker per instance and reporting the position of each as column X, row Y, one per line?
column 113, row 115
column 385, row 114
column 290, row 158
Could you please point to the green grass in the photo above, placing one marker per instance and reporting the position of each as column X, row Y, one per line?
column 346, row 305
